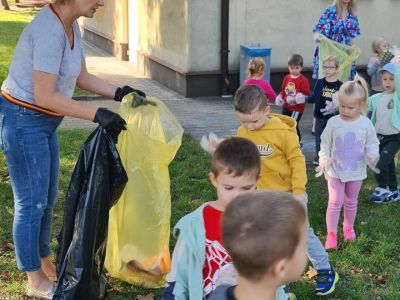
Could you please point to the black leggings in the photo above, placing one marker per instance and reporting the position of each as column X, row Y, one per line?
column 389, row 145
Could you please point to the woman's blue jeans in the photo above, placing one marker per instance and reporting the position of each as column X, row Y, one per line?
column 30, row 145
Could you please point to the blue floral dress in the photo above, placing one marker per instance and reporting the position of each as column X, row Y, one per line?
column 338, row 30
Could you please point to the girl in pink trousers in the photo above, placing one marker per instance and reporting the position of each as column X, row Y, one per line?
column 348, row 144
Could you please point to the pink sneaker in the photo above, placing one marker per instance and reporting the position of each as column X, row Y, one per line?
column 349, row 234
column 331, row 241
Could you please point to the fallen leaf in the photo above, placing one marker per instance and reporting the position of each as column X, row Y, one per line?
column 5, row 275
column 311, row 272
column 9, row 247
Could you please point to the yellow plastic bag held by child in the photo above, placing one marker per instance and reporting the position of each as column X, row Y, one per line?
column 139, row 224
column 345, row 54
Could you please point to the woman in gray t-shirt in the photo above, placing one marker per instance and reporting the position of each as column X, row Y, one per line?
column 47, row 65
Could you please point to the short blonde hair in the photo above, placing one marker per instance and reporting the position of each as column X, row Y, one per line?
column 358, row 87
column 375, row 44
column 256, row 66
column 333, row 59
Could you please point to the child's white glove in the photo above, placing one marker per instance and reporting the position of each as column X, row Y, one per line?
column 279, row 100
column 210, row 143
column 331, row 107
column 300, row 98
column 291, row 99
column 372, row 160
column 324, row 164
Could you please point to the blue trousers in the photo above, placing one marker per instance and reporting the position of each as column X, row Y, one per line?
column 30, row 145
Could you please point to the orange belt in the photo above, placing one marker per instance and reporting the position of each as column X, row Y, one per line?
column 30, row 105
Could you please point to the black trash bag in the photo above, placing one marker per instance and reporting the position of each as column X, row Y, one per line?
column 96, row 184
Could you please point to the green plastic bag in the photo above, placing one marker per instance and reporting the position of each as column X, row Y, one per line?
column 139, row 224
column 345, row 54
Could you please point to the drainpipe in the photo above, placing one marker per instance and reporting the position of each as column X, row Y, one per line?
column 224, row 81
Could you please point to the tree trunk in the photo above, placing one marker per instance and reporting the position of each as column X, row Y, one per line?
column 4, row 5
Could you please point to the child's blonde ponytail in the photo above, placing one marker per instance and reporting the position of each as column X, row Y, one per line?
column 359, row 87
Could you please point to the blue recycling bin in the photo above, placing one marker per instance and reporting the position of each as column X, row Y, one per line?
column 248, row 52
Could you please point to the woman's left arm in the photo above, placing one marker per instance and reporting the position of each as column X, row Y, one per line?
column 95, row 84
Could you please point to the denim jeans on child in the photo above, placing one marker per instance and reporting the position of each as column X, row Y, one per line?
column 30, row 145
column 316, row 252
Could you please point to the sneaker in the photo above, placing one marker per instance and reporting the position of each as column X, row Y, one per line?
column 331, row 241
column 393, row 196
column 379, row 195
column 349, row 235
column 326, row 282
column 315, row 162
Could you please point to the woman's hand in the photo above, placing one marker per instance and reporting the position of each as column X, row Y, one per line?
column 317, row 37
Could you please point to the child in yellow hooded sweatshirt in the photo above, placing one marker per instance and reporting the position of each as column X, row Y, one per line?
column 283, row 166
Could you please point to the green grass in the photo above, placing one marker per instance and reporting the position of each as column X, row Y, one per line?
column 11, row 25
column 369, row 268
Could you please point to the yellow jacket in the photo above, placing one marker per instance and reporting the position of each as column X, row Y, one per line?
column 283, row 166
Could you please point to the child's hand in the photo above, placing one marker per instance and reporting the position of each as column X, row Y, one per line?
column 330, row 108
column 210, row 143
column 317, row 37
column 372, row 160
column 396, row 59
column 279, row 100
column 291, row 99
column 300, row 98
column 324, row 164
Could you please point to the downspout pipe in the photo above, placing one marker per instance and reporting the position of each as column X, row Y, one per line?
column 224, row 81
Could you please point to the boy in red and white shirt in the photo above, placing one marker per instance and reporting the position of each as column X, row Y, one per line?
column 295, row 89
column 200, row 262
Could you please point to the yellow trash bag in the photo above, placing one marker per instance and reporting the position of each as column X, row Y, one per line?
column 139, row 224
column 345, row 54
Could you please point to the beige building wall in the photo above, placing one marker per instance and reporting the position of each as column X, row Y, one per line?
column 109, row 27
column 163, row 32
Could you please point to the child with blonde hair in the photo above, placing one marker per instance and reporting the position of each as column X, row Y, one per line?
column 324, row 99
column 256, row 71
column 348, row 144
column 385, row 115
column 382, row 55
